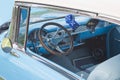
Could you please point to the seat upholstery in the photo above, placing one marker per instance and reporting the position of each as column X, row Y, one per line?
column 87, row 72
column 108, row 70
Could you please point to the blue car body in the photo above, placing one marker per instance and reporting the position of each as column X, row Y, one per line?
column 31, row 60
column 24, row 67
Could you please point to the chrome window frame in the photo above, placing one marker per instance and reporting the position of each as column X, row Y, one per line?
column 18, row 24
column 105, row 17
column 11, row 35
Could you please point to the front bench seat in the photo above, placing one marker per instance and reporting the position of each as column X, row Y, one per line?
column 86, row 74
column 108, row 70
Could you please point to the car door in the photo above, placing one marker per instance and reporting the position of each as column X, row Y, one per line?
column 15, row 64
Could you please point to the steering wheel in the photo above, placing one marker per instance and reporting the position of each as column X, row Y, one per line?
column 58, row 42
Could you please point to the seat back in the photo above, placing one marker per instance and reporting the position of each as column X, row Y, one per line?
column 108, row 70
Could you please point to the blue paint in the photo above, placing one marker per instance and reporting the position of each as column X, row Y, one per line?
column 98, row 31
column 25, row 67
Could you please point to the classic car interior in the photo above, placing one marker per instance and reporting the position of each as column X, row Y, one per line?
column 77, row 43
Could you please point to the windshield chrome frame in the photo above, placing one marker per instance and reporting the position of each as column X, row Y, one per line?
column 100, row 16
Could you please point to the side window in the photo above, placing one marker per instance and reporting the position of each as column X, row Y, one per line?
column 22, row 27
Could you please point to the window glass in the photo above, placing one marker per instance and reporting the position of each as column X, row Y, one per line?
column 45, row 13
column 22, row 26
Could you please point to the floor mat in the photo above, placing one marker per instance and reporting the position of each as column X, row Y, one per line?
column 84, row 63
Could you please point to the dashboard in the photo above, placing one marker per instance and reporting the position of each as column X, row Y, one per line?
column 82, row 31
column 80, row 34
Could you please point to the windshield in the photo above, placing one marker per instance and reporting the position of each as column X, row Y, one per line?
column 45, row 14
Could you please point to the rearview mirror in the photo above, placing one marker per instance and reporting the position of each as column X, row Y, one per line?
column 6, row 45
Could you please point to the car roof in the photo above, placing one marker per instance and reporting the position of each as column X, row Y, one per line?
column 103, row 7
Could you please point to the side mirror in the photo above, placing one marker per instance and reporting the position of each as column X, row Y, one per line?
column 6, row 45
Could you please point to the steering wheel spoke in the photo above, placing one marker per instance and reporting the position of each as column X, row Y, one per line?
column 59, row 49
column 55, row 33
